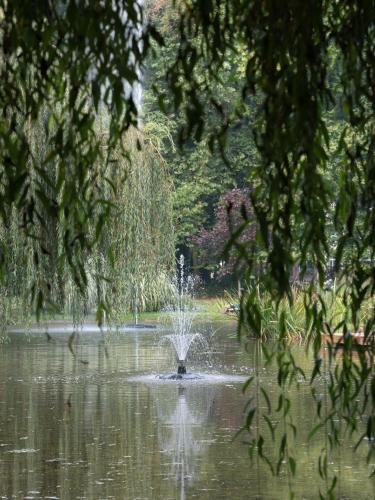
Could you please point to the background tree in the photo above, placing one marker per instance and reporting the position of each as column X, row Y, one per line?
column 231, row 213
column 130, row 266
column 64, row 60
column 200, row 176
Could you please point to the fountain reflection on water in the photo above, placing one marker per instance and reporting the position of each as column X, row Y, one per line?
column 182, row 431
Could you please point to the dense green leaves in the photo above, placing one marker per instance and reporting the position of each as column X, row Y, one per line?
column 310, row 65
column 131, row 255
column 60, row 63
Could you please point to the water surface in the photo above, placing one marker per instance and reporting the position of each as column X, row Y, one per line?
column 93, row 426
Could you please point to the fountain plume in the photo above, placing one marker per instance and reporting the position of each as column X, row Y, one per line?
column 183, row 339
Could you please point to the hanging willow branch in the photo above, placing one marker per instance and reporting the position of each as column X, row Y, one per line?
column 303, row 63
column 64, row 59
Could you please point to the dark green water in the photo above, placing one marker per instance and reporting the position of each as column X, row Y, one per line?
column 71, row 430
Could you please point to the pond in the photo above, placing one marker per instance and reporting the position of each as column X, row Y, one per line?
column 97, row 426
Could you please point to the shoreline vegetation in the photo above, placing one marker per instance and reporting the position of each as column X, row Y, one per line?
column 215, row 309
column 205, row 309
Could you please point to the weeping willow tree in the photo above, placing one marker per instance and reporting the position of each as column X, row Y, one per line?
column 128, row 268
column 136, row 249
column 34, row 273
column 64, row 60
column 296, row 66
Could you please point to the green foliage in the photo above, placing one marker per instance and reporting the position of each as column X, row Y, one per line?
column 129, row 265
column 281, row 73
column 140, row 238
column 59, row 62
column 200, row 175
column 291, row 313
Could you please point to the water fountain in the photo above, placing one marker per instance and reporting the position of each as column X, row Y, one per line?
column 183, row 340
column 185, row 344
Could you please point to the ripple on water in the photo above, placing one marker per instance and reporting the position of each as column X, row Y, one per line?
column 199, row 378
column 23, row 450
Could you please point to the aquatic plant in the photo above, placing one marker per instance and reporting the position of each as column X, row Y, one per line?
column 292, row 311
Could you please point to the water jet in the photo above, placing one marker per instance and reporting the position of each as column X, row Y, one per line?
column 183, row 341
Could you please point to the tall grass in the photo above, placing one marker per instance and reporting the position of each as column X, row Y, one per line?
column 291, row 312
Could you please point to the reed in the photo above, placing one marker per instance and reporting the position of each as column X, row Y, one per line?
column 289, row 315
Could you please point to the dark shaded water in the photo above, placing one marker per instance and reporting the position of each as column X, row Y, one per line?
column 75, row 430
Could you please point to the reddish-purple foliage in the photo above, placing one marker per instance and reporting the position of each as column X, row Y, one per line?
column 232, row 211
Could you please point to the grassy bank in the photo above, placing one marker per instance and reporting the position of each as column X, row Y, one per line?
column 205, row 309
